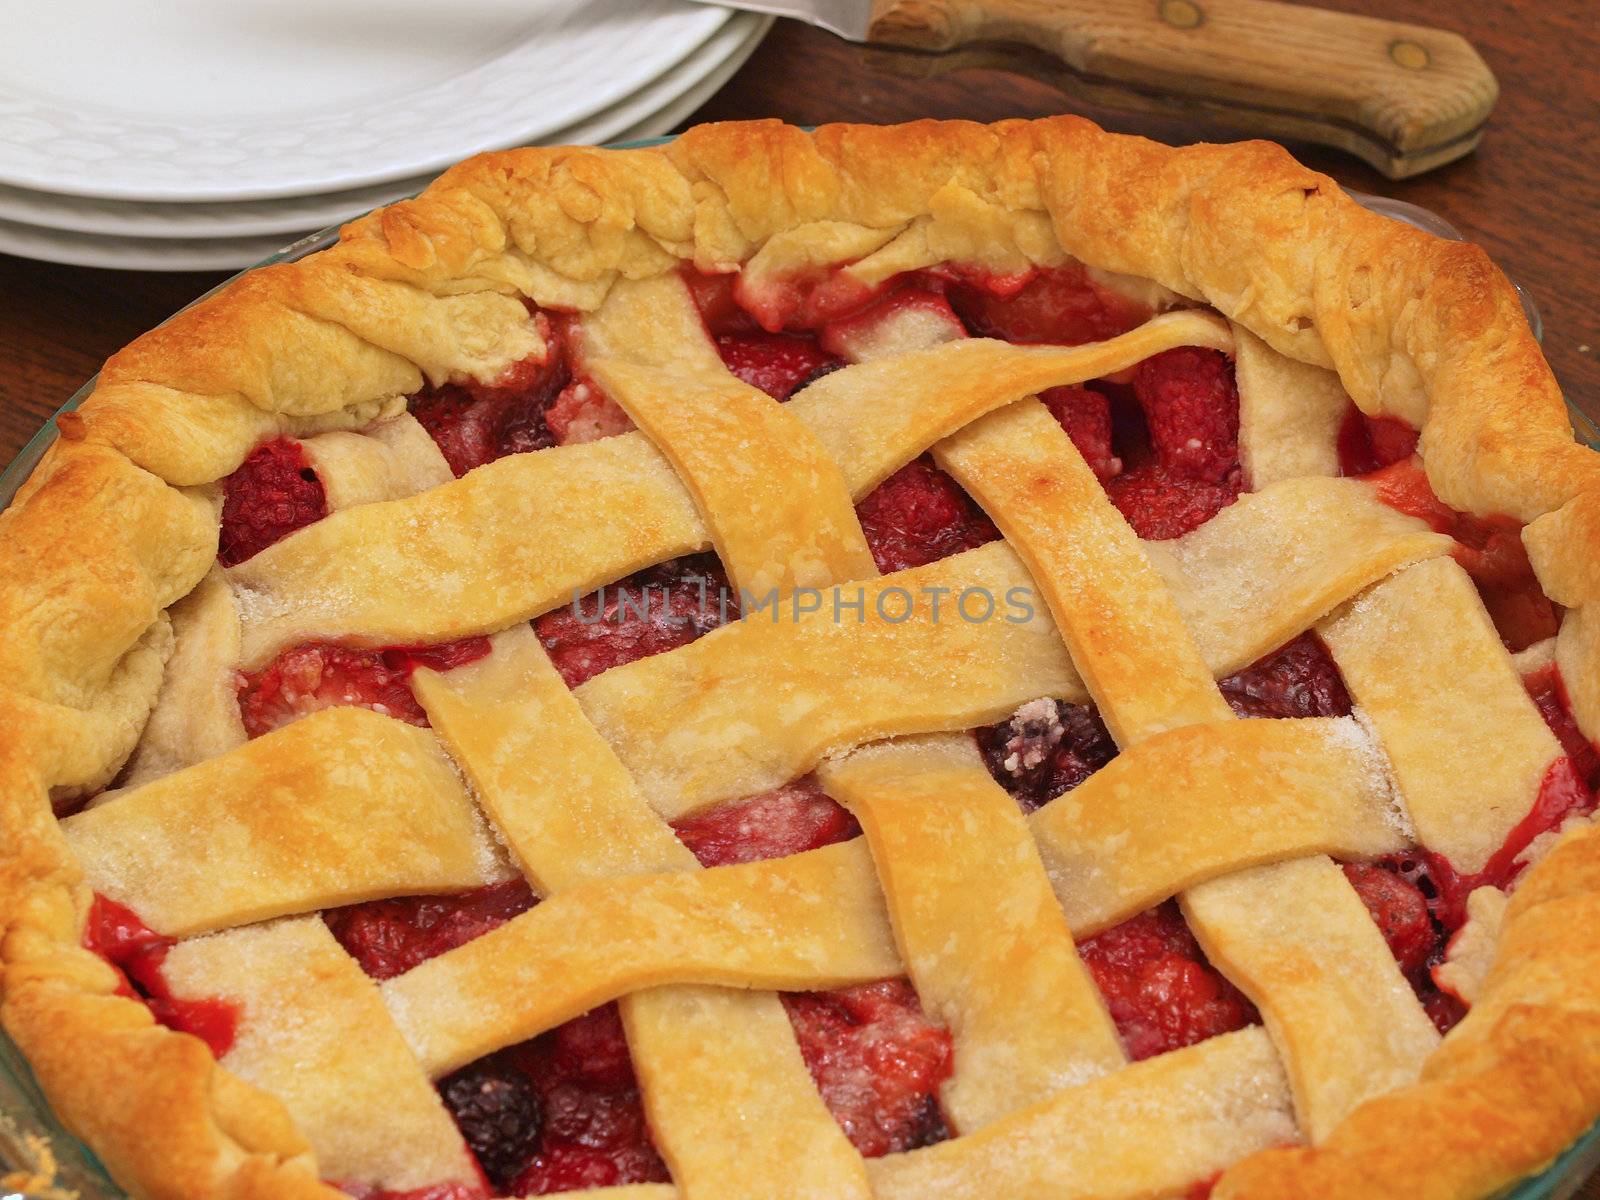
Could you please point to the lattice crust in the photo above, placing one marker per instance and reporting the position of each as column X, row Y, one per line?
column 1289, row 413
column 1392, row 643
column 981, row 934
column 333, row 1071
column 99, row 547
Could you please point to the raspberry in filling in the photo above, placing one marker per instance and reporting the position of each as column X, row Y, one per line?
column 1489, row 549
column 878, row 1062
column 660, row 608
column 1179, row 443
column 790, row 820
column 1298, row 679
column 1045, row 748
column 780, row 364
column 1158, row 986
column 273, row 493
column 1086, row 416
column 919, row 515
column 389, row 937
column 1061, row 306
column 116, row 934
column 306, row 679
column 475, row 423
column 1368, row 444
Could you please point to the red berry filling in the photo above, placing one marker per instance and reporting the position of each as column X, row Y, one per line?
column 584, row 413
column 475, row 423
column 1045, row 748
column 919, row 515
column 1562, row 794
column 1549, row 692
column 1368, row 444
column 657, row 609
column 1061, row 306
column 389, row 937
column 1158, row 986
column 306, row 679
column 1489, row 548
column 1086, row 416
column 878, row 1062
column 117, row 935
column 1400, row 911
column 558, row 1112
column 791, row 820
column 780, row 364
column 273, row 493
column 1299, row 679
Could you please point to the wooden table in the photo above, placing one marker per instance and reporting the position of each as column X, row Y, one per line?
column 1530, row 194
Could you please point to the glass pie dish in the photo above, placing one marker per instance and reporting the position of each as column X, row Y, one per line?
column 76, row 1170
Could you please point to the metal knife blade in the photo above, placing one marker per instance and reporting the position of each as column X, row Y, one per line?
column 847, row 18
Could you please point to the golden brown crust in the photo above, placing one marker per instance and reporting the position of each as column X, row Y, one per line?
column 96, row 546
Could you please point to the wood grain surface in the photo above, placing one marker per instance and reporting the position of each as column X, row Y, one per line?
column 1530, row 194
column 1402, row 97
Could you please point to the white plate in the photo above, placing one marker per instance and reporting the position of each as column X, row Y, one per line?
column 296, row 214
column 206, row 254
column 194, row 100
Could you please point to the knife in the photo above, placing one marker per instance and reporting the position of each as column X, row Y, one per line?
column 1405, row 98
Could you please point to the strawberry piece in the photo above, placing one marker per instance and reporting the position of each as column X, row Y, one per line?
column 1061, row 306
column 797, row 817
column 657, row 609
column 1158, row 986
column 780, row 364
column 1400, row 911
column 1160, row 505
column 1086, row 416
column 1298, row 679
column 273, row 493
column 389, row 937
column 583, row 412
column 878, row 1062
column 919, row 515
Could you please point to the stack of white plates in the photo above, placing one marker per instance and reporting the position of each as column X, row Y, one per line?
column 204, row 134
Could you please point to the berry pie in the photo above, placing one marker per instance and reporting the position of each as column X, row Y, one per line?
column 907, row 663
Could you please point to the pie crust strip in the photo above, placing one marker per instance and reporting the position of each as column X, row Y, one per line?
column 983, row 938
column 752, row 706
column 1151, row 1129
column 1032, row 480
column 777, row 508
column 313, row 1032
column 1198, row 802
column 340, row 806
column 1393, row 645
column 1290, row 414
column 1347, row 1022
column 727, row 1093
column 458, row 559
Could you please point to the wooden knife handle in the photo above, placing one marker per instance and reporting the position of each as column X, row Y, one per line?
column 1403, row 97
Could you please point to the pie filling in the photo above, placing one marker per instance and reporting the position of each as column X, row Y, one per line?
column 563, row 1110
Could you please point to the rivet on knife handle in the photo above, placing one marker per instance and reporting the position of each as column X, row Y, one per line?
column 1405, row 98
